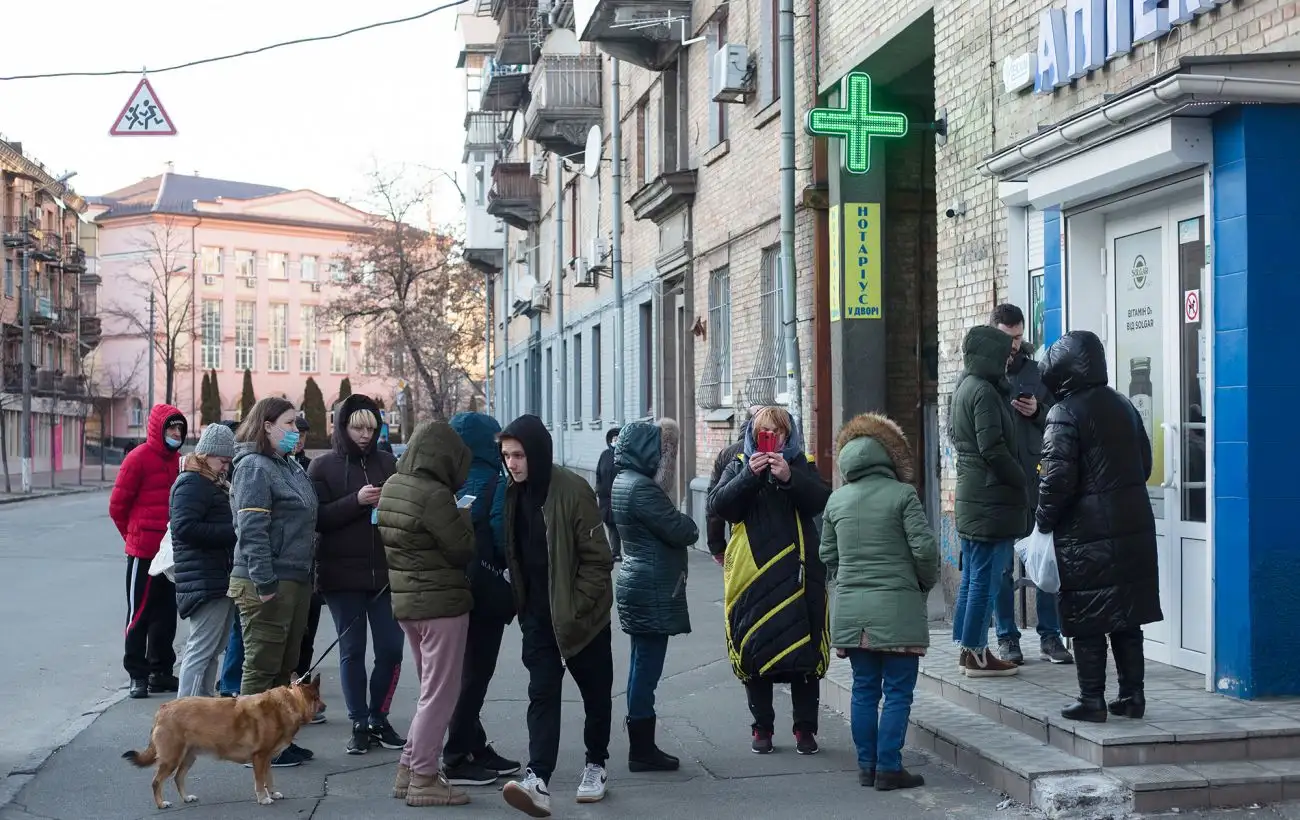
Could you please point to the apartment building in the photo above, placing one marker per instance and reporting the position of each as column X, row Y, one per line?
column 45, row 240
column 241, row 276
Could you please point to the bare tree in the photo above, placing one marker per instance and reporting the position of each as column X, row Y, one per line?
column 105, row 387
column 413, row 293
column 161, row 272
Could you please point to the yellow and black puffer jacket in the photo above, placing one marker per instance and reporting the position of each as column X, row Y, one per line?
column 774, row 583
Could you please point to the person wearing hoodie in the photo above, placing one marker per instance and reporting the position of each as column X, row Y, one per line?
column 605, row 472
column 140, row 509
column 352, row 573
column 470, row 759
column 275, row 531
column 1030, row 400
column 203, row 543
column 992, row 506
column 651, row 584
column 882, row 560
column 430, row 545
column 560, row 568
column 772, row 499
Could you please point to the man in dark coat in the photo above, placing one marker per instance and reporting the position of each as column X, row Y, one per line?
column 1093, row 499
column 1030, row 400
column 605, row 472
column 308, row 648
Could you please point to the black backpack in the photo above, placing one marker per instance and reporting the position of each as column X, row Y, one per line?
column 493, row 596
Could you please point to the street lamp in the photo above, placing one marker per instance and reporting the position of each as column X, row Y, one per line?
column 25, row 300
column 153, row 348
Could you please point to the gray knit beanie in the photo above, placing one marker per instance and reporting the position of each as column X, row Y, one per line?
column 217, row 440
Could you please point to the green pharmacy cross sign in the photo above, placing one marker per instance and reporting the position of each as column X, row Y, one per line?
column 856, row 123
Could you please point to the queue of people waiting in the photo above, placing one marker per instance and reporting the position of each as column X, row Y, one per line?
column 474, row 526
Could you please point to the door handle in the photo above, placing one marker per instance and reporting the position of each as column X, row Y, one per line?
column 1172, row 428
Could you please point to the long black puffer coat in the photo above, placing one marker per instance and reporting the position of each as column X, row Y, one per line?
column 1092, row 495
column 203, row 540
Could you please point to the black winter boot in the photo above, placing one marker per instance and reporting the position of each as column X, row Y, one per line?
column 642, row 753
column 1130, row 670
column 1090, row 663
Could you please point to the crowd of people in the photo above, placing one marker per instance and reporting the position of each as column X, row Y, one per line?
column 476, row 526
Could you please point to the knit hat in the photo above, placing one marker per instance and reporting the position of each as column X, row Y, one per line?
column 217, row 440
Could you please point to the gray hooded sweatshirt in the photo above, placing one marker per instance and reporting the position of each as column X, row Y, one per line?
column 275, row 519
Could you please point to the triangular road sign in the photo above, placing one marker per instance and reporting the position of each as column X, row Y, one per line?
column 143, row 115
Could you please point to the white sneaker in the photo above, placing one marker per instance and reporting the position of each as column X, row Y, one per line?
column 591, row 789
column 529, row 795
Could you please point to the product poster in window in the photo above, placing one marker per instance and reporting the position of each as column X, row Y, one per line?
column 1037, row 307
column 1139, row 359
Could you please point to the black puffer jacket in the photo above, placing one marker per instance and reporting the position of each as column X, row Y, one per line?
column 1092, row 495
column 350, row 556
column 203, row 540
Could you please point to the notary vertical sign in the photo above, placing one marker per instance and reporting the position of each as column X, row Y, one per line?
column 836, row 272
column 864, row 296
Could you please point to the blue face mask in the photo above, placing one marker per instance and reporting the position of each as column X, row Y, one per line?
column 289, row 441
column 173, row 443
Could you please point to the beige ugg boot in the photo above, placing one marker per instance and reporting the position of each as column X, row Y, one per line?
column 433, row 790
column 403, row 781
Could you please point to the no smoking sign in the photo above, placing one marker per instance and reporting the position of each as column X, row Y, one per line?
column 1192, row 306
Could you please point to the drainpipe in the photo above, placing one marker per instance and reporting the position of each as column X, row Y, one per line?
column 793, row 370
column 487, row 343
column 563, row 404
column 505, row 321
column 616, row 245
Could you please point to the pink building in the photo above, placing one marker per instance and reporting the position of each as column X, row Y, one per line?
column 241, row 275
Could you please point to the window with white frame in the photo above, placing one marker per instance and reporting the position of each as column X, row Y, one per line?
column 210, row 326
column 717, row 110
column 245, row 263
column 596, row 397
column 277, row 349
column 577, row 376
column 245, row 335
column 210, row 260
column 137, row 413
column 337, row 272
column 307, row 268
column 369, row 347
column 277, row 265
column 308, row 343
column 339, row 350
column 1035, row 264
column 769, row 58
column 715, row 382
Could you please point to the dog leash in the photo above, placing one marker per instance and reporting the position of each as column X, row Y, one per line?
column 330, row 648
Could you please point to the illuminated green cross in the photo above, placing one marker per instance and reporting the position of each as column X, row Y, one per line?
column 855, row 124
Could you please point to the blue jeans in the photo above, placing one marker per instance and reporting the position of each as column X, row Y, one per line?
column 356, row 609
column 1004, row 610
column 879, row 735
column 982, row 564
column 232, row 665
column 643, row 674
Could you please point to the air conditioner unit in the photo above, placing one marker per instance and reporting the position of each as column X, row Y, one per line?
column 209, row 280
column 250, row 281
column 537, row 167
column 729, row 80
column 597, row 253
column 521, row 252
column 540, row 297
column 544, row 7
column 583, row 275
column 315, row 287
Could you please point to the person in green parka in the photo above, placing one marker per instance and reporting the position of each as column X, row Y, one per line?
column 882, row 560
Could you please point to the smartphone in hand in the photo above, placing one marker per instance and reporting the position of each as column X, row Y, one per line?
column 465, row 502
column 766, row 441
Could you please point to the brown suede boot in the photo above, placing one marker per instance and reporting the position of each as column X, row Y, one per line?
column 433, row 790
column 403, row 781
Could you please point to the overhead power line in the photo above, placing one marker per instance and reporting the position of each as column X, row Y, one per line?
column 248, row 53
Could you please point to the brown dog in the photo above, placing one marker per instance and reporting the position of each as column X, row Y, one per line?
column 247, row 729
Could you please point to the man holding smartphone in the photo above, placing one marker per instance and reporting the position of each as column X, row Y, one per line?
column 1030, row 401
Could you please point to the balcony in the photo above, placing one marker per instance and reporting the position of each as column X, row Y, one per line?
column 91, row 331
column 519, row 31
column 50, row 248
column 565, row 102
column 504, row 86
column 42, row 310
column 483, row 132
column 13, row 377
column 515, row 196
column 645, row 33
column 72, row 385
column 20, row 232
column 47, row 381
column 75, row 259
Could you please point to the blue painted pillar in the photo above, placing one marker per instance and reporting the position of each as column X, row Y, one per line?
column 1256, row 402
column 1053, row 282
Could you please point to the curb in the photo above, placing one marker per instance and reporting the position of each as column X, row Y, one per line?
column 16, row 779
column 19, row 498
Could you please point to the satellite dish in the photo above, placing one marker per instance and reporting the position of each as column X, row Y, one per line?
column 591, row 157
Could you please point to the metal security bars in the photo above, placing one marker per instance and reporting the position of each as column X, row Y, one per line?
column 766, row 382
column 714, row 390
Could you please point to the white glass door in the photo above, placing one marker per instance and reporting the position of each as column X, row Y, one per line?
column 1155, row 261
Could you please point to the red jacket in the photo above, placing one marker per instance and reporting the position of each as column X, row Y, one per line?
column 140, row 503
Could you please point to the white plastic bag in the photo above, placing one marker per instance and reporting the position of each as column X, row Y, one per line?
column 164, row 563
column 1038, row 553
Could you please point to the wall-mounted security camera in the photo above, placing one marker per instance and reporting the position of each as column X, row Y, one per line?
column 956, row 209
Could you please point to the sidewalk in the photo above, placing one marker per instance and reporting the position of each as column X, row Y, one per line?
column 703, row 719
column 65, row 483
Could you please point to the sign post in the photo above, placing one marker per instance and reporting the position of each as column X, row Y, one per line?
column 856, row 123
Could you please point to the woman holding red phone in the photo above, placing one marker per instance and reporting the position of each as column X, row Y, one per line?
column 774, row 597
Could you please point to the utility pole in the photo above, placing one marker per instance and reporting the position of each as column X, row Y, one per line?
column 616, row 245
column 789, row 277
column 152, row 352
column 563, row 403
column 25, row 300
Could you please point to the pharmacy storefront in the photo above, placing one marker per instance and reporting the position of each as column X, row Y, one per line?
column 1163, row 220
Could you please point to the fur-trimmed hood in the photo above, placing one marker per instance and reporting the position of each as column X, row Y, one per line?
column 650, row 449
column 872, row 442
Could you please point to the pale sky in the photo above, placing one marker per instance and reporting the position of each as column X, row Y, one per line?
column 314, row 116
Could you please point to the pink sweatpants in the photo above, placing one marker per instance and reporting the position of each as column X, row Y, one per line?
column 438, row 649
